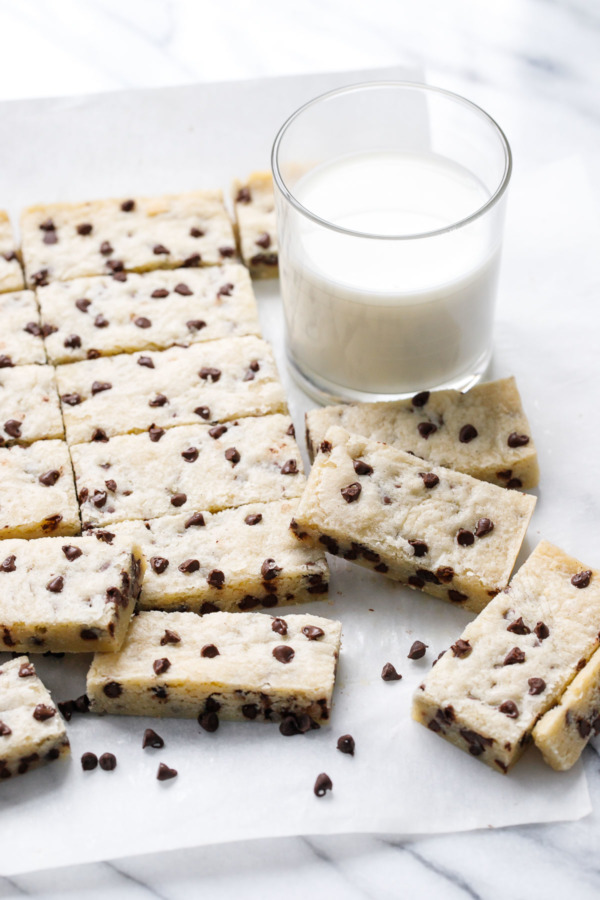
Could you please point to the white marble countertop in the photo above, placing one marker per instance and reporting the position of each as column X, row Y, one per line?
column 534, row 64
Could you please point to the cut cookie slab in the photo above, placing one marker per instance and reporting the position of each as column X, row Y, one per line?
column 193, row 467
column 69, row 240
column 72, row 597
column 11, row 274
column 483, row 433
column 21, row 335
column 32, row 731
column 226, row 665
column 29, row 408
column 91, row 317
column 238, row 559
column 441, row 531
column 213, row 382
column 37, row 493
column 254, row 205
column 513, row 663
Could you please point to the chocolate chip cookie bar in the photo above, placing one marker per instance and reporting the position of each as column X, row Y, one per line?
column 237, row 559
column 29, row 408
column 32, row 731
column 254, row 205
column 11, row 274
column 193, row 467
column 21, row 335
column 67, row 596
column 513, row 663
column 226, row 665
column 483, row 433
column 37, row 493
column 564, row 731
column 213, row 382
column 434, row 529
column 91, row 317
column 70, row 240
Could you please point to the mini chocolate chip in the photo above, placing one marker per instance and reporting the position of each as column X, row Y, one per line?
column 429, row 479
column 253, row 519
column 189, row 566
column 514, row 656
column 13, row 428
column 48, row 479
column 9, row 564
column 196, row 232
column 484, row 526
column 312, row 632
column 279, row 626
column 40, row 279
column 182, row 289
column 541, row 631
column 209, row 721
column 108, row 762
column 169, row 637
column 290, row 467
column 196, row 519
column 346, row 744
column 42, row 712
column 582, row 579
column 195, row 324
column 190, row 455
column 326, row 447
column 420, row 548
column 84, row 229
column 226, row 252
column 128, row 205
column 5, row 362
column 9, row 255
column 417, row 650
column 209, row 651
column 106, row 248
column 142, row 322
column 415, row 581
column 426, row 428
column 71, row 399
column 165, row 773
column 89, row 761
column 48, row 225
column 112, row 689
column 100, row 436
column 225, row 290
column 208, row 607
column 209, row 374
column 517, row 440
column 430, row 577
column 161, row 666
column 465, row 538
column 99, row 498
column 232, row 456
column 34, row 329
column 5, row 730
column 456, row 596
column 584, row 728
column 88, row 634
column 111, row 484
column 159, row 293
column 100, row 321
column 217, row 431
column 55, row 585
column 518, row 627
column 155, row 433
column 51, row 523
column 72, row 553
column 269, row 569
column 509, row 709
column 159, row 564
column 467, row 433
column 152, row 739
column 203, row 412
column 243, row 195
column 514, row 483
column 26, row 670
column 51, row 237
column 461, row 648
column 322, row 785
column 250, row 710
column 351, row 492
column 536, row 685
column 160, row 250
column 362, row 468
column 47, row 330
column 216, row 578
column 389, row 673
column 420, row 399
column 99, row 386
column 283, row 654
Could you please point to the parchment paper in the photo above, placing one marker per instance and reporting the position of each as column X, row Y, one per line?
column 247, row 780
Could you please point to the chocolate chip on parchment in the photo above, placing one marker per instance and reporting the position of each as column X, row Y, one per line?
column 232, row 455
column 42, row 712
column 269, row 569
column 541, row 631
column 190, row 455
column 89, row 761
column 72, row 553
column 429, row 479
column 71, row 399
column 108, row 762
column 518, row 627
column 312, row 632
column 112, row 689
column 461, row 648
column 517, row 440
column 155, row 433
column 582, row 579
column 55, row 585
column 207, row 373
column 346, row 744
column 209, row 721
column 417, row 650
column 465, row 538
column 425, row 429
column 9, row 564
column 209, row 651
column 161, row 666
column 189, row 566
column 290, row 467
column 420, row 399
column 510, row 709
column 322, row 785
column 279, row 626
column 467, row 433
column 196, row 519
column 253, row 519
column 152, row 739
column 169, row 637
column 484, row 526
column 283, row 653
column 536, row 685
column 389, row 673
column 165, row 773
column 216, row 578
column 182, row 289
column 420, row 548
column 159, row 564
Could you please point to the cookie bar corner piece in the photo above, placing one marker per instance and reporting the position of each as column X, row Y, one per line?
column 515, row 662
column 254, row 205
column 32, row 730
column 11, row 274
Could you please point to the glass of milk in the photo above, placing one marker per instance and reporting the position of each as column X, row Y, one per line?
column 390, row 205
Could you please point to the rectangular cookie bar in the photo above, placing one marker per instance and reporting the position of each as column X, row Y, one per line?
column 438, row 530
column 563, row 732
column 213, row 382
column 37, row 493
column 11, row 274
column 515, row 660
column 91, row 317
column 68, row 596
column 21, row 334
column 32, row 731
column 254, row 204
column 70, row 240
column 193, row 467
column 237, row 559
column 226, row 665
column 29, row 408
column 483, row 433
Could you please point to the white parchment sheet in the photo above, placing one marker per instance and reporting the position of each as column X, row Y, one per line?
column 246, row 780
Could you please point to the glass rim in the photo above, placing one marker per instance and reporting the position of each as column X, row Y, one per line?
column 413, row 85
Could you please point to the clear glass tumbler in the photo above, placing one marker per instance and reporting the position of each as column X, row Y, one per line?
column 390, row 205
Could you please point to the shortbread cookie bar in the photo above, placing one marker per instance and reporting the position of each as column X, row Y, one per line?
column 32, row 731
column 515, row 660
column 37, row 493
column 29, row 408
column 91, row 317
column 70, row 240
column 234, row 665
column 563, row 732
column 254, row 205
column 483, row 433
column 213, row 382
column 68, row 596
column 193, row 467
column 11, row 274
column 438, row 530
column 238, row 559
column 21, row 334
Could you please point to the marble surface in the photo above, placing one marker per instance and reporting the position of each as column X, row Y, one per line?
column 534, row 65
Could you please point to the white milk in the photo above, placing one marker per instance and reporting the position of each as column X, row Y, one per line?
column 388, row 316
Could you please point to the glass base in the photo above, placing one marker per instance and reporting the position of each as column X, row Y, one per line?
column 326, row 393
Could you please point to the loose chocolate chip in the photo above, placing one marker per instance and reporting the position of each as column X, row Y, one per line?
column 189, row 566
column 26, row 670
column 217, row 431
column 106, row 248
column 182, row 289
column 13, row 428
column 517, row 440
column 128, row 205
column 112, row 689
column 279, row 626
column 165, row 773
column 159, row 564
column 152, row 739
column 66, row 708
column 461, row 648
column 55, row 585
column 510, row 709
column 536, row 685
column 42, row 712
column 209, row 651
column 417, row 650
column 456, row 596
column 5, row 362
column 216, row 578
column 312, row 632
column 420, row 399
column 108, row 762
column 99, row 386
column 160, row 250
column 142, row 322
column 518, row 627
column 190, row 455
column 514, row 656
column 89, row 761
column 467, row 433
column 161, row 666
column 232, row 456
column 253, row 519
column 270, row 569
column 420, row 548
column 582, row 579
column 100, row 321
column 346, row 744
column 196, row 519
column 283, row 654
column 322, row 785
column 290, row 468
column 81, row 704
column 351, row 492
column 71, row 552
column 484, row 526
column 209, row 721
column 465, row 538
column 71, row 399
column 426, row 428
column 541, row 631
column 389, row 673
column 9, row 564
column 429, row 479
column 169, row 637
column 155, row 433
column 196, row 324
column 84, row 229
